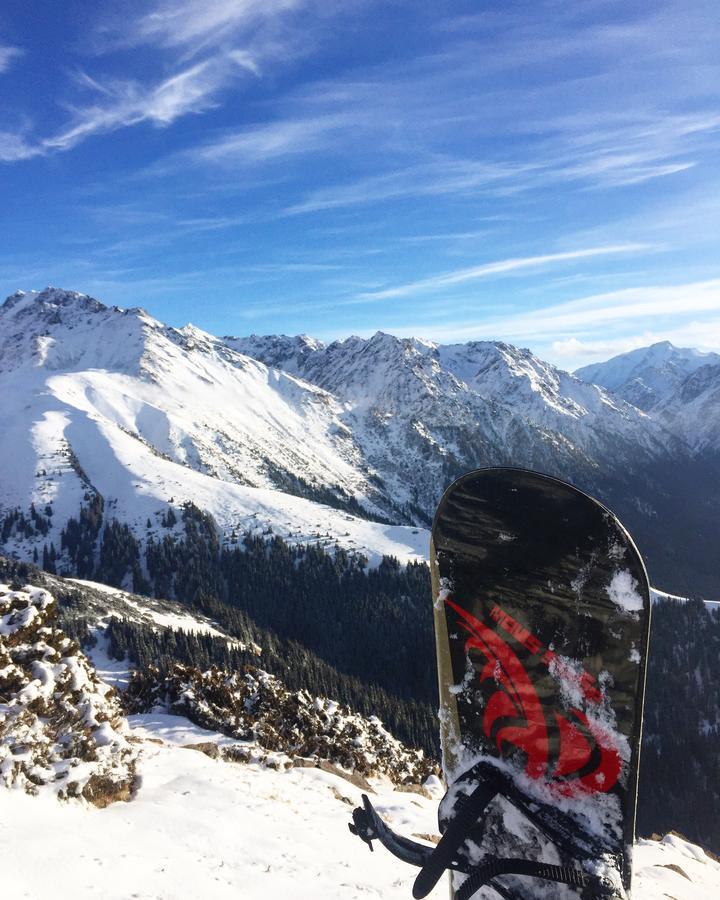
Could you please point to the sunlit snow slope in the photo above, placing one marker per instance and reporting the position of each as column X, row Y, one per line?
column 112, row 400
column 199, row 827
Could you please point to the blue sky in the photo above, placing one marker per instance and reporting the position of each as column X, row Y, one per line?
column 540, row 172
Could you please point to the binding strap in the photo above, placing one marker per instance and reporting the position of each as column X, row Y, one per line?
column 464, row 818
column 467, row 812
column 563, row 874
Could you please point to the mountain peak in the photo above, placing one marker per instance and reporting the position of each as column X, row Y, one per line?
column 650, row 375
column 57, row 329
column 49, row 297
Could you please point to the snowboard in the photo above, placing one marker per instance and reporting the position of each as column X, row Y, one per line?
column 542, row 615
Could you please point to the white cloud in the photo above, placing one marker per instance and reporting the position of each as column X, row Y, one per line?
column 178, row 23
column 270, row 141
column 460, row 276
column 607, row 153
column 700, row 334
column 615, row 315
column 573, row 349
column 616, row 307
column 14, row 147
column 7, row 56
column 450, row 176
column 121, row 104
column 211, row 29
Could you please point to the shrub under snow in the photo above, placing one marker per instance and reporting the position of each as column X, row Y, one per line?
column 59, row 726
column 256, row 707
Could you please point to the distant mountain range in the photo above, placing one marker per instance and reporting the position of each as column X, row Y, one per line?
column 350, row 443
column 679, row 387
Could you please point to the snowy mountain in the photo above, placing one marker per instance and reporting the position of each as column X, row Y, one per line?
column 650, row 375
column 423, row 413
column 509, row 395
column 330, row 443
column 677, row 387
column 110, row 400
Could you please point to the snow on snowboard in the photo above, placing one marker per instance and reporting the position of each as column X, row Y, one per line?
column 542, row 613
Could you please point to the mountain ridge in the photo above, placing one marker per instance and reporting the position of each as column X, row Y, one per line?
column 677, row 386
column 375, row 428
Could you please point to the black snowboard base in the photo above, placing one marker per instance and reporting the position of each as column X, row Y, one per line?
column 542, row 617
column 542, row 614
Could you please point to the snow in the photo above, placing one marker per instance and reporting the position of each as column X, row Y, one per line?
column 205, row 828
column 114, row 672
column 59, row 726
column 623, row 592
column 679, row 387
column 175, row 621
column 655, row 878
column 199, row 827
column 657, row 595
column 176, row 731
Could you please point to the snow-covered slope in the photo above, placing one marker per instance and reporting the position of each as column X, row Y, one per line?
column 181, row 392
column 202, row 827
column 694, row 409
column 110, row 399
column 423, row 412
column 102, row 602
column 649, row 375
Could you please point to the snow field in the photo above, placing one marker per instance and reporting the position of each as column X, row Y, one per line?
column 205, row 828
column 199, row 827
column 138, row 484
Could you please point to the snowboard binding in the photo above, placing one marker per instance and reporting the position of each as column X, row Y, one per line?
column 461, row 818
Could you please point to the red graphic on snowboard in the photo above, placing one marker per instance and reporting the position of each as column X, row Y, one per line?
column 565, row 747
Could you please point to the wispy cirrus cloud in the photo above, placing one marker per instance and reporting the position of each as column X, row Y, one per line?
column 231, row 38
column 502, row 267
column 580, row 319
column 190, row 91
column 179, row 23
column 272, row 140
column 8, row 55
column 437, row 178
column 15, row 147
column 122, row 103
column 614, row 155
column 570, row 126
